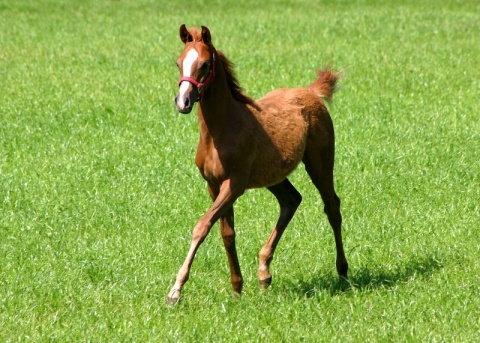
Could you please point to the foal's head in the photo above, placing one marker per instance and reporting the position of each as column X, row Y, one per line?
column 196, row 65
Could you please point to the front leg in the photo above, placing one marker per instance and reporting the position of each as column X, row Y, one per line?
column 222, row 204
column 228, row 236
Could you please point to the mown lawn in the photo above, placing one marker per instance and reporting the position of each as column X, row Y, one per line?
column 99, row 191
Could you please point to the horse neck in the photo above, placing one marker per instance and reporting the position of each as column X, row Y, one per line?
column 216, row 105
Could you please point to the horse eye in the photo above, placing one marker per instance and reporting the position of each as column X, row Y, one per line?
column 204, row 66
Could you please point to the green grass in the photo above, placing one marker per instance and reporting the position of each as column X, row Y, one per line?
column 99, row 192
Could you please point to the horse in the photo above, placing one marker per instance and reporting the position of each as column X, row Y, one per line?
column 248, row 144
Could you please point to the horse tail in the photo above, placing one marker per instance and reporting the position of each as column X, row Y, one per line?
column 325, row 84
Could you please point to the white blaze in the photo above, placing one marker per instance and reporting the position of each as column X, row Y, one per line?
column 191, row 57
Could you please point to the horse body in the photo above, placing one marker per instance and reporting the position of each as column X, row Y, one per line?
column 249, row 144
column 281, row 138
column 267, row 140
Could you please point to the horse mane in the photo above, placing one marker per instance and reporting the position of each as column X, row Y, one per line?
column 232, row 82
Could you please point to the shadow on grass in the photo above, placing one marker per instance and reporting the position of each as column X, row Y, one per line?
column 366, row 278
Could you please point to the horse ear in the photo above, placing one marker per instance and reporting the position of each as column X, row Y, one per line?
column 185, row 36
column 206, row 37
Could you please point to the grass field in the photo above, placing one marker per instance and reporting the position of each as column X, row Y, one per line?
column 99, row 191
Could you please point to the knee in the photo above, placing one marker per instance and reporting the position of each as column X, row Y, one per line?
column 333, row 205
column 200, row 231
column 228, row 238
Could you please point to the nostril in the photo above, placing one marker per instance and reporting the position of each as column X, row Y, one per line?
column 187, row 102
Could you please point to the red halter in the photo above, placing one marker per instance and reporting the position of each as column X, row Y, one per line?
column 200, row 85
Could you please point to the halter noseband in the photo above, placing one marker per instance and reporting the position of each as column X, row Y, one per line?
column 200, row 85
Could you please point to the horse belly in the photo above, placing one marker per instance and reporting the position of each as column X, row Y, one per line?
column 269, row 172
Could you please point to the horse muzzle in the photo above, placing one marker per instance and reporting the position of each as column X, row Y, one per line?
column 184, row 101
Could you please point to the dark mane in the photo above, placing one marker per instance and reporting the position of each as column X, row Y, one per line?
column 235, row 89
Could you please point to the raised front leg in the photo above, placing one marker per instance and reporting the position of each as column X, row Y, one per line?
column 289, row 200
column 222, row 204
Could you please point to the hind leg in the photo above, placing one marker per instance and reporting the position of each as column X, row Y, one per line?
column 319, row 166
column 289, row 200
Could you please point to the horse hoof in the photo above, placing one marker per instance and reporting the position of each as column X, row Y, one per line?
column 263, row 284
column 173, row 298
column 170, row 302
column 342, row 269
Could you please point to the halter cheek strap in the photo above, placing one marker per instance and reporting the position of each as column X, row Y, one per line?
column 201, row 85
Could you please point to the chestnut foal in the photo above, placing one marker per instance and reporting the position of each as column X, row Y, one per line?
column 249, row 144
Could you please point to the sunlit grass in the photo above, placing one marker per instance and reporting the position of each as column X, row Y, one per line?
column 99, row 191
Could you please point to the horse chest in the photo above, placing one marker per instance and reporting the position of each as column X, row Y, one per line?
column 209, row 164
